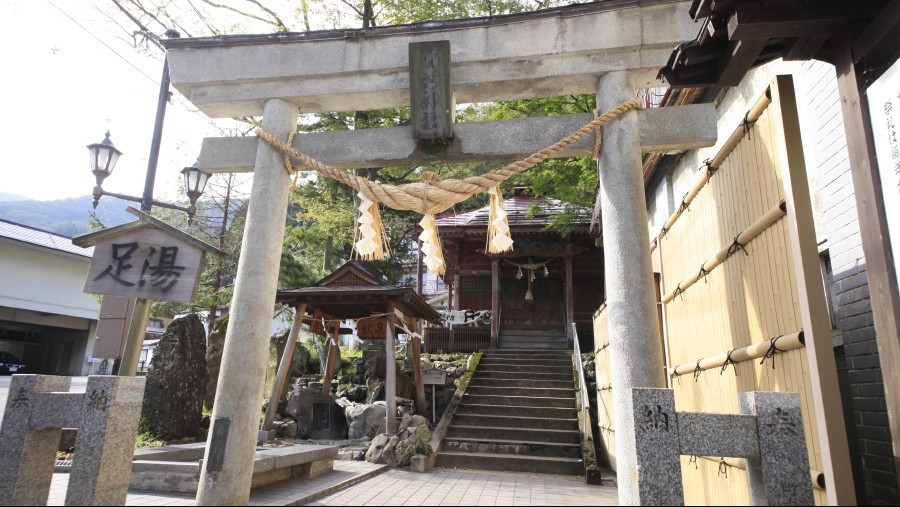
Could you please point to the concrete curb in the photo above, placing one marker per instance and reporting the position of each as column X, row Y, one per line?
column 338, row 487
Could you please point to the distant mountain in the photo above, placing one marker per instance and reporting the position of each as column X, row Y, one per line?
column 11, row 197
column 68, row 217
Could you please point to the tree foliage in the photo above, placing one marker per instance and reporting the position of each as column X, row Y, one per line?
column 323, row 212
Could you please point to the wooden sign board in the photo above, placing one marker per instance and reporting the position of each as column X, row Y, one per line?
column 145, row 263
column 316, row 326
column 371, row 329
column 431, row 99
column 434, row 376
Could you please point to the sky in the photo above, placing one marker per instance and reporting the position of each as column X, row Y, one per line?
column 69, row 75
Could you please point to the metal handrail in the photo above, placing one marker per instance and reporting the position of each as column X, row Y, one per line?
column 579, row 365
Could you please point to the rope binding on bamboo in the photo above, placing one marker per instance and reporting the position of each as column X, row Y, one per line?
column 773, row 349
column 433, row 195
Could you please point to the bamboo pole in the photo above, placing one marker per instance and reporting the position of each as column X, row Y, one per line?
column 708, row 170
column 781, row 343
column 742, row 239
column 816, row 476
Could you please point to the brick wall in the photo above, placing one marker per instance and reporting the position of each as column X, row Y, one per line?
column 850, row 292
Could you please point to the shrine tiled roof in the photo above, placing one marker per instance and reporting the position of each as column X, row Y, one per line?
column 518, row 210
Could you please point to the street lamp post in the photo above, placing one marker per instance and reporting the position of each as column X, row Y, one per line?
column 104, row 156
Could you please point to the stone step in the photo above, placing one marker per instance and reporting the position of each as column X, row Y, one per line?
column 512, row 361
column 517, row 447
column 526, row 368
column 518, row 344
column 516, row 421
column 524, row 434
column 565, row 412
column 495, row 372
column 532, row 332
column 511, row 463
column 540, row 392
column 527, row 401
column 526, row 354
column 479, row 381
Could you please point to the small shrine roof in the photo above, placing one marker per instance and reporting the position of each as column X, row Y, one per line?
column 357, row 289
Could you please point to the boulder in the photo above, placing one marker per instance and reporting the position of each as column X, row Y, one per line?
column 376, row 449
column 355, row 393
column 387, row 454
column 286, row 428
column 365, row 421
column 215, row 346
column 403, row 452
column 317, row 414
column 277, row 344
column 176, row 381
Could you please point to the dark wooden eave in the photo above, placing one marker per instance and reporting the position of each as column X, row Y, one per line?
column 357, row 289
column 736, row 36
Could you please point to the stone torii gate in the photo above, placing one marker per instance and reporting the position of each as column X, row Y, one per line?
column 608, row 48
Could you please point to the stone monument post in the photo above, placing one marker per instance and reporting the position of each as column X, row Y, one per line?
column 635, row 351
column 228, row 462
column 768, row 433
column 106, row 416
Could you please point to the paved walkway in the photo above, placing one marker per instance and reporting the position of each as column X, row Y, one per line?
column 472, row 487
column 361, row 483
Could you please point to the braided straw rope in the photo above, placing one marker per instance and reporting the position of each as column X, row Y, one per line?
column 431, row 197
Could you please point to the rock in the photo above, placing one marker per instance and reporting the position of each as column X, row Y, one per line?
column 387, row 455
column 359, row 455
column 176, row 381
column 376, row 449
column 418, row 420
column 365, row 421
column 214, row 347
column 405, row 422
column 286, row 428
column 277, row 344
column 375, row 389
column 355, row 393
column 403, row 452
column 422, row 437
column 317, row 414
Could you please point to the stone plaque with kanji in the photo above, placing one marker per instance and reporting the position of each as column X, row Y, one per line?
column 146, row 263
column 431, row 99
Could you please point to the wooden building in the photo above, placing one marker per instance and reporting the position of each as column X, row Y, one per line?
column 538, row 289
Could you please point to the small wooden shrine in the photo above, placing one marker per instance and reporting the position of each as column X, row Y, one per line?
column 546, row 282
column 357, row 291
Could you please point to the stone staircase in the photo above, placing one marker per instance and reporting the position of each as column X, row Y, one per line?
column 542, row 339
column 518, row 414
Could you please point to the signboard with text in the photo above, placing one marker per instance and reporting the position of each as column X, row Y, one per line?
column 434, row 376
column 146, row 263
column 884, row 111
column 371, row 329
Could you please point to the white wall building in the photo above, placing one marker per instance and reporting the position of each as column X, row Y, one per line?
column 46, row 319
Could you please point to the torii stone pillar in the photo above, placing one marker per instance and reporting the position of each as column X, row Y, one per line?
column 635, row 351
column 231, row 447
